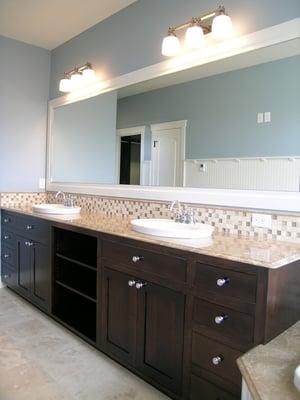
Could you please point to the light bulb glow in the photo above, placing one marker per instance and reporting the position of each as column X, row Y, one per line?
column 171, row 46
column 194, row 37
column 65, row 85
column 222, row 27
column 88, row 75
column 76, row 80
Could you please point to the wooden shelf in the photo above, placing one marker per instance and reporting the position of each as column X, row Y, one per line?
column 73, row 260
column 75, row 291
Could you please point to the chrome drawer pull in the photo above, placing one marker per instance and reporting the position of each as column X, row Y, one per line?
column 137, row 258
column 222, row 281
column 29, row 227
column 219, row 319
column 6, row 255
column 6, row 276
column 6, row 237
column 217, row 359
column 29, row 244
column 6, row 220
column 140, row 285
column 131, row 283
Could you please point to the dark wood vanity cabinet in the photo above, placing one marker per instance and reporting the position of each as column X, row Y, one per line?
column 142, row 321
column 26, row 258
column 176, row 318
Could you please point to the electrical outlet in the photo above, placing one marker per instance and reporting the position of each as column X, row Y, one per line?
column 42, row 183
column 202, row 167
column 260, row 254
column 262, row 220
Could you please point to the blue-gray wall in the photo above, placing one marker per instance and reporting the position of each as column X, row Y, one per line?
column 221, row 111
column 24, row 92
column 131, row 39
column 84, row 140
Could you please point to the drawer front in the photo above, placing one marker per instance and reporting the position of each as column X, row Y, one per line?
column 8, row 255
column 34, row 229
column 202, row 389
column 8, row 220
column 8, row 238
column 223, row 321
column 216, row 358
column 224, row 282
column 163, row 265
column 8, row 275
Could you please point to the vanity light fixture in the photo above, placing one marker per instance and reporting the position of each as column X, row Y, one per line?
column 216, row 22
column 77, row 77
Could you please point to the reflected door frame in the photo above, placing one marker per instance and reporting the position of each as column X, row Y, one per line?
column 180, row 164
column 136, row 130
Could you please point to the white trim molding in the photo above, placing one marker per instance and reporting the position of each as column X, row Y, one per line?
column 267, row 200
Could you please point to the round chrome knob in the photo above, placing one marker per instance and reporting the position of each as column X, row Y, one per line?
column 217, row 360
column 6, row 237
column 137, row 258
column 6, row 220
column 6, row 276
column 29, row 244
column 139, row 285
column 29, row 227
column 6, row 255
column 219, row 319
column 222, row 281
column 131, row 283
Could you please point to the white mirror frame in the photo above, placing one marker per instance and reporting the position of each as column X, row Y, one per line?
column 265, row 200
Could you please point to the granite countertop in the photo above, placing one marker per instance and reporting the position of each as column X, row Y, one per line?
column 269, row 369
column 259, row 252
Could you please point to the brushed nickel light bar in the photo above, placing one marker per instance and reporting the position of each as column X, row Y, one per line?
column 77, row 77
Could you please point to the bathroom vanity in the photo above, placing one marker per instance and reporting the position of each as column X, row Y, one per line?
column 177, row 316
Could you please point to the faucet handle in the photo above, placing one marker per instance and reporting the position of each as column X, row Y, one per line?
column 69, row 201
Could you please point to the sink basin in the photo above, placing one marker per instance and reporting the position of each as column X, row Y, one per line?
column 297, row 378
column 55, row 209
column 171, row 229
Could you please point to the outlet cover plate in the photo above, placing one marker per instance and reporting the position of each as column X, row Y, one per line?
column 262, row 220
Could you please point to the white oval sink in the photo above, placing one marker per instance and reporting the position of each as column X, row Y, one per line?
column 55, row 209
column 297, row 378
column 171, row 229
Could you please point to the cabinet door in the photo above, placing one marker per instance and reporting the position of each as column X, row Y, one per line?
column 119, row 315
column 41, row 275
column 24, row 266
column 160, row 335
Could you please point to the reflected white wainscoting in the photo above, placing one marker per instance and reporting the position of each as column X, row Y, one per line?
column 146, row 173
column 245, row 392
column 267, row 173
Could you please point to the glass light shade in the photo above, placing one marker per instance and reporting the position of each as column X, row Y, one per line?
column 194, row 37
column 65, row 85
column 88, row 75
column 170, row 46
column 76, row 80
column 222, row 27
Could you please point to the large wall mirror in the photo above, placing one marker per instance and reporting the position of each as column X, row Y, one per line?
column 231, row 124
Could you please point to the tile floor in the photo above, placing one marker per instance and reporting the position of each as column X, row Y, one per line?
column 40, row 360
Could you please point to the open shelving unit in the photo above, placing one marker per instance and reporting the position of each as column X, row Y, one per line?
column 75, row 281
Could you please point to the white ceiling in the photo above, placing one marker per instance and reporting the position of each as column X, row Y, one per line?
column 49, row 23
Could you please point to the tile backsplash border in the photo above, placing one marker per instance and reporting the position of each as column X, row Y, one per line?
column 235, row 221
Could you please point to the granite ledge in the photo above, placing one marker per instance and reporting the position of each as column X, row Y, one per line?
column 268, row 370
column 258, row 252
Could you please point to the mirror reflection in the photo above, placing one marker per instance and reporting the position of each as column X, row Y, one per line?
column 233, row 124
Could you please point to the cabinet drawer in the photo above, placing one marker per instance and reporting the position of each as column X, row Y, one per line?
column 223, row 321
column 216, row 357
column 8, row 255
column 33, row 228
column 163, row 265
column 225, row 282
column 7, row 220
column 202, row 389
column 8, row 275
column 8, row 238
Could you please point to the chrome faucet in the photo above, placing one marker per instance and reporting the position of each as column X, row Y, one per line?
column 183, row 215
column 68, row 200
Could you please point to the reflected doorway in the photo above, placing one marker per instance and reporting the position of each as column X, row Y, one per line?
column 130, row 160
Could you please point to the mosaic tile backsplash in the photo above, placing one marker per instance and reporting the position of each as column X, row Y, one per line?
column 233, row 221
